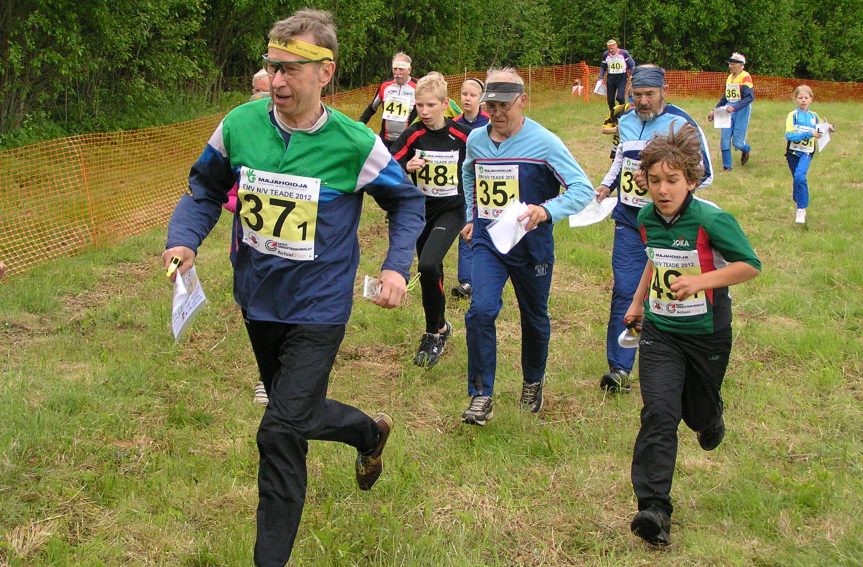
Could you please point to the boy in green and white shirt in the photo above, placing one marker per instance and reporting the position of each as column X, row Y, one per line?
column 695, row 250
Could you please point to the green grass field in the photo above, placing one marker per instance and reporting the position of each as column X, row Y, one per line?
column 118, row 447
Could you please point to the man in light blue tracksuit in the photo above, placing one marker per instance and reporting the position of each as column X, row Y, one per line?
column 513, row 159
column 650, row 116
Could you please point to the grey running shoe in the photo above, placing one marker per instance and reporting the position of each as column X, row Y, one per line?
column 481, row 410
column 370, row 465
column 261, row 394
column 617, row 381
column 462, row 291
column 531, row 396
column 653, row 526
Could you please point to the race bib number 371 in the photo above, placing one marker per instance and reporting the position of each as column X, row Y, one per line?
column 279, row 213
column 496, row 186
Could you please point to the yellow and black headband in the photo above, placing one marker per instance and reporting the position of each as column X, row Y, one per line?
column 303, row 49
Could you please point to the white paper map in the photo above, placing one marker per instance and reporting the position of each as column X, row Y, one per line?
column 721, row 117
column 189, row 299
column 507, row 230
column 592, row 213
column 824, row 128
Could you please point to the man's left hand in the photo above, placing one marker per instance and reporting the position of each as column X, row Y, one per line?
column 393, row 289
column 535, row 215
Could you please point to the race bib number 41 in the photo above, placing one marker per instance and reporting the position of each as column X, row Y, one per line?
column 279, row 213
column 439, row 176
column 496, row 186
column 397, row 108
column 669, row 265
column 630, row 193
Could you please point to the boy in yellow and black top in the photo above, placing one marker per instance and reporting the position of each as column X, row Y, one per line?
column 610, row 125
column 695, row 251
column 432, row 152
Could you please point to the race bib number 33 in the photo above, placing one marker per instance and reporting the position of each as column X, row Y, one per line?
column 496, row 186
column 630, row 193
column 279, row 213
column 669, row 265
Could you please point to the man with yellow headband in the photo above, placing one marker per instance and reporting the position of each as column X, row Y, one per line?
column 302, row 170
column 397, row 95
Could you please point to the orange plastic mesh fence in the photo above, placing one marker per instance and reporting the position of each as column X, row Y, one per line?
column 62, row 196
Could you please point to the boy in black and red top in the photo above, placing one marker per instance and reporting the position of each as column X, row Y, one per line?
column 695, row 252
column 396, row 95
column 432, row 152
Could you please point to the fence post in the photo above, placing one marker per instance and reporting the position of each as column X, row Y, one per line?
column 585, row 81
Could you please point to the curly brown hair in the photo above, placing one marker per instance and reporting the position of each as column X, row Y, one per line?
column 679, row 150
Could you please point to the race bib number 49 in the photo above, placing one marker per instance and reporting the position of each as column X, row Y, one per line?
column 279, row 213
column 439, row 176
column 630, row 193
column 397, row 108
column 668, row 265
column 496, row 186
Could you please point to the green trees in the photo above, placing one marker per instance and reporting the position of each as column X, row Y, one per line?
column 88, row 64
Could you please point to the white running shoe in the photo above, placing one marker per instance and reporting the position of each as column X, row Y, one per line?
column 801, row 216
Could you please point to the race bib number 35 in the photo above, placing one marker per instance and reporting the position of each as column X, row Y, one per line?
column 439, row 176
column 397, row 108
column 630, row 193
column 279, row 213
column 496, row 186
column 669, row 265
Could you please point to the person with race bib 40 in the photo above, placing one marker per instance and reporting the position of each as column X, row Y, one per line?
column 617, row 64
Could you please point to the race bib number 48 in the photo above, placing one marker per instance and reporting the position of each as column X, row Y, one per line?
column 496, row 186
column 397, row 108
column 279, row 213
column 439, row 176
column 630, row 193
column 668, row 265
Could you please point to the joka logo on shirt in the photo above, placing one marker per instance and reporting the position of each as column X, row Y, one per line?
column 250, row 175
column 680, row 243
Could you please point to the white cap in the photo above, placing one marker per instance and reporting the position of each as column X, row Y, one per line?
column 737, row 58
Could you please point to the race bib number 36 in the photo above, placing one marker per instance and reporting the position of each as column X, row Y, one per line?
column 630, row 193
column 439, row 176
column 732, row 92
column 669, row 265
column 397, row 108
column 496, row 186
column 279, row 213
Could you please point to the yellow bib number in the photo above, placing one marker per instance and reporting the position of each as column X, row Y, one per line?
column 630, row 193
column 732, row 92
column 496, row 186
column 439, row 176
column 616, row 66
column 397, row 108
column 668, row 265
column 279, row 213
